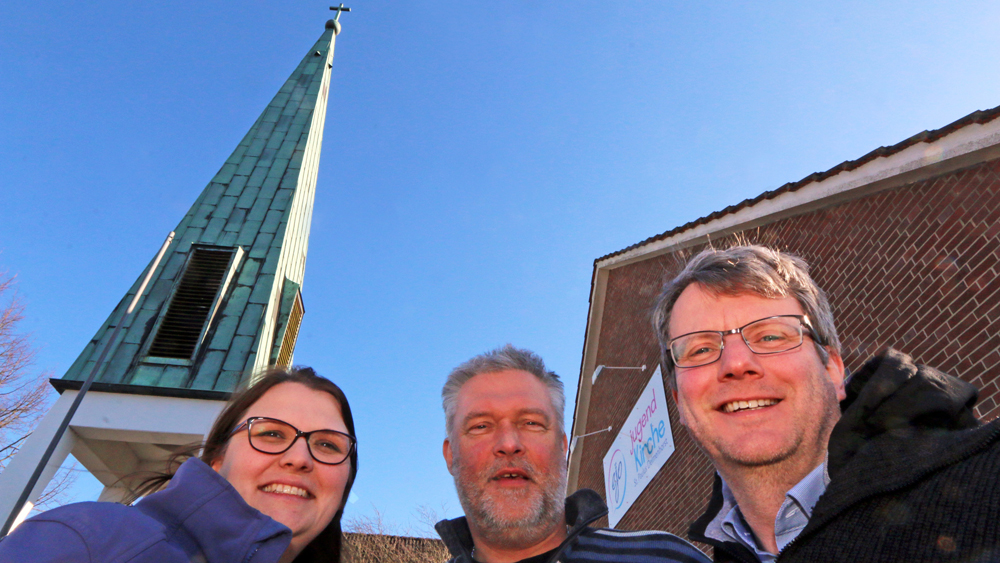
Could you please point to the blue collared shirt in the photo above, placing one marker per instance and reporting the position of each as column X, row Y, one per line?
column 793, row 515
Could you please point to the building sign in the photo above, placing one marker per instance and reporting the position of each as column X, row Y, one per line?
column 643, row 445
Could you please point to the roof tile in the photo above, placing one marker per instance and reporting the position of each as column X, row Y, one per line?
column 174, row 376
column 147, row 375
column 250, row 319
column 248, row 273
column 224, row 332
column 235, row 220
column 209, row 369
column 225, row 173
column 248, row 233
column 248, row 197
column 260, row 245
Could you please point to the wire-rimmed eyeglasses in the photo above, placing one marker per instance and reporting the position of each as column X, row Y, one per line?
column 770, row 335
column 273, row 436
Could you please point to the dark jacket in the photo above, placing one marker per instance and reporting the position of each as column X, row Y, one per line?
column 584, row 544
column 913, row 475
column 198, row 517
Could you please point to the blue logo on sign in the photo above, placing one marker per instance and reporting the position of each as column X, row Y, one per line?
column 616, row 478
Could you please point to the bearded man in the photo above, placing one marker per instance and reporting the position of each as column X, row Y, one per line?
column 506, row 449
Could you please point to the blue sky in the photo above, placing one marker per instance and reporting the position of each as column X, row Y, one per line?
column 478, row 157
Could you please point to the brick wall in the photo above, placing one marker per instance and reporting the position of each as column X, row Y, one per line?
column 913, row 267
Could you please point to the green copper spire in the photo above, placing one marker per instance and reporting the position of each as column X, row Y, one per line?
column 226, row 298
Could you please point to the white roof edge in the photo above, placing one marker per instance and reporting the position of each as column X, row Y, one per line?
column 969, row 139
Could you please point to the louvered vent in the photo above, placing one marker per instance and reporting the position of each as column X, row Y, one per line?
column 192, row 303
column 291, row 333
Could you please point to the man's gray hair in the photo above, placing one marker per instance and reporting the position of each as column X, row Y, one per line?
column 504, row 358
column 748, row 269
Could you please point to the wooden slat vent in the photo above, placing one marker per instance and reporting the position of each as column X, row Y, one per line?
column 192, row 303
column 291, row 333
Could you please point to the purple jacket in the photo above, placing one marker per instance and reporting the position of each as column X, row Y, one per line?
column 199, row 517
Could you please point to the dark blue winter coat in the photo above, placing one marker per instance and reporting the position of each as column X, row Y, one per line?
column 199, row 517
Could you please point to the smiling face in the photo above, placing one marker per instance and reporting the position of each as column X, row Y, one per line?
column 291, row 487
column 507, row 454
column 748, row 410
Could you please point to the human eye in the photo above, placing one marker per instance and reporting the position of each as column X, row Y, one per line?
column 332, row 444
column 269, row 432
column 771, row 334
column 535, row 424
column 697, row 347
column 478, row 427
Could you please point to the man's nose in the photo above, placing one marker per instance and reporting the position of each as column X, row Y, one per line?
column 508, row 440
column 738, row 360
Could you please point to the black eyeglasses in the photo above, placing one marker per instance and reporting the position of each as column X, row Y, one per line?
column 770, row 335
column 273, row 436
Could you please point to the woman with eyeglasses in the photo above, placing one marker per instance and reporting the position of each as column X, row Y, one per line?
column 269, row 486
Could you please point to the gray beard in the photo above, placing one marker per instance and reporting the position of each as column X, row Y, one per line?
column 539, row 515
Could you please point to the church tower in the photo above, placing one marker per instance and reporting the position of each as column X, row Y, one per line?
column 223, row 302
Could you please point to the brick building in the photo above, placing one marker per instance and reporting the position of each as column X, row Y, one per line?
column 905, row 242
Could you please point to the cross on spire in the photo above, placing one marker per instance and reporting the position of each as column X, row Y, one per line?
column 340, row 9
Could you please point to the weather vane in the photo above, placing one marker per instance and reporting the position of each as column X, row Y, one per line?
column 340, row 9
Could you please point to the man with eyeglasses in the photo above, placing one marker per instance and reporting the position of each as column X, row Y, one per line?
column 890, row 465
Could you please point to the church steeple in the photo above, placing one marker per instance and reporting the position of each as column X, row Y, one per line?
column 226, row 299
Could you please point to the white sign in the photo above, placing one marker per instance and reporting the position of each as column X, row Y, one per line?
column 643, row 445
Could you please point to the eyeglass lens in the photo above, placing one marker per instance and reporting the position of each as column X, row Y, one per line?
column 275, row 437
column 765, row 336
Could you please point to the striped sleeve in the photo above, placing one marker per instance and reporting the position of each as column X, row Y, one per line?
column 616, row 546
